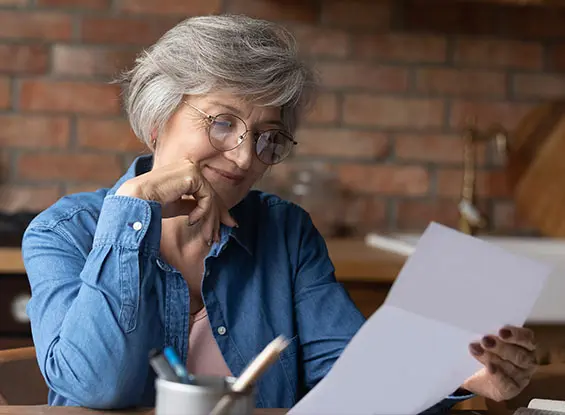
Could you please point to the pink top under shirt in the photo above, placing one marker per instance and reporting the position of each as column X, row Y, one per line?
column 204, row 355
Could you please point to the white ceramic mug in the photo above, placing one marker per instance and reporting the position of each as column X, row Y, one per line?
column 200, row 397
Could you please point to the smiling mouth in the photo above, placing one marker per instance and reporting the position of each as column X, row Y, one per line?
column 234, row 178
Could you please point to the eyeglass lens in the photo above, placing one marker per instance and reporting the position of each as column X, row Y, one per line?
column 228, row 131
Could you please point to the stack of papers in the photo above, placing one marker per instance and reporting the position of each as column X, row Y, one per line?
column 414, row 350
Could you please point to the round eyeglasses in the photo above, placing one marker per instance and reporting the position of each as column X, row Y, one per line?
column 228, row 131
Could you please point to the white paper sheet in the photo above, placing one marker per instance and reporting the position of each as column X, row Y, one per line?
column 413, row 351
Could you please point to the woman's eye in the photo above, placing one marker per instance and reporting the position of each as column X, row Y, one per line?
column 222, row 124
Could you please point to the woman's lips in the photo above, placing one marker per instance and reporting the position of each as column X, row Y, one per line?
column 232, row 177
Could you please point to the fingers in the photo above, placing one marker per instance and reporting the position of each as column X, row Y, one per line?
column 508, row 372
column 208, row 229
column 518, row 335
column 506, row 378
column 518, row 355
column 182, row 190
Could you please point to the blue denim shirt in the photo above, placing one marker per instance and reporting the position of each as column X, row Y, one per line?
column 102, row 297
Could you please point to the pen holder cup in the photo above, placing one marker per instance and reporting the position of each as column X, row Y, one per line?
column 200, row 397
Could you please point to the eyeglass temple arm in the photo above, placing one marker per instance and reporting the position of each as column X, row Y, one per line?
column 199, row 110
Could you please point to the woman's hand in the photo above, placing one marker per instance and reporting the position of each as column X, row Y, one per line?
column 181, row 190
column 509, row 361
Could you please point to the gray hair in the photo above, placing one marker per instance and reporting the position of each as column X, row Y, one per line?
column 255, row 59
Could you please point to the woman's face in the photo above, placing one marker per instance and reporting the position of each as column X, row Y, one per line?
column 231, row 173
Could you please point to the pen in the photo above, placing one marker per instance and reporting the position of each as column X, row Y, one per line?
column 177, row 366
column 161, row 366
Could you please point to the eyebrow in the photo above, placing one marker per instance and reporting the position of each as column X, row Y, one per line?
column 237, row 112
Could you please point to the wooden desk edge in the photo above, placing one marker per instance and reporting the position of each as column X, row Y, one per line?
column 353, row 261
column 69, row 410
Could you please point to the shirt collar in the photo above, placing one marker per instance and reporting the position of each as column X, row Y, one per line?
column 243, row 212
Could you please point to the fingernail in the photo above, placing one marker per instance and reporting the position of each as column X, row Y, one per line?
column 505, row 333
column 476, row 349
column 489, row 342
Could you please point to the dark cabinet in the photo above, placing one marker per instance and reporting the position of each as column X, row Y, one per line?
column 14, row 325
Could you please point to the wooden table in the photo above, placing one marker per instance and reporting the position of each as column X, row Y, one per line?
column 60, row 410
column 54, row 410
column 353, row 260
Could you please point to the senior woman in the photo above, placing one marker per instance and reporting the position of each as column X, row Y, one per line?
column 181, row 252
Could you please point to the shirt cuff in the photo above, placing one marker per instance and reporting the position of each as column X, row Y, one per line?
column 461, row 395
column 129, row 222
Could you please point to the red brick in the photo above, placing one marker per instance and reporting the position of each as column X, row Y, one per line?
column 434, row 148
column 417, row 214
column 362, row 109
column 84, row 187
column 362, row 75
column 5, row 93
column 76, row 97
column 357, row 14
column 317, row 41
column 401, row 48
column 539, row 86
column 490, row 53
column 341, row 143
column 285, row 175
column 4, row 164
column 76, row 4
column 557, row 57
column 107, row 134
column 362, row 212
column 182, row 7
column 448, row 17
column 90, row 61
column 281, row 10
column 69, row 166
column 31, row 131
column 535, row 22
column 488, row 113
column 506, row 217
column 35, row 25
column 456, row 82
column 384, row 179
column 15, row 199
column 14, row 2
column 325, row 110
column 120, row 30
column 23, row 59
column 493, row 183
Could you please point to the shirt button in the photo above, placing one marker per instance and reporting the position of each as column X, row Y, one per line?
column 221, row 330
column 137, row 226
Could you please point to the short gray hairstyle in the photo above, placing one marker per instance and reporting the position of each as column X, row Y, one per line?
column 255, row 59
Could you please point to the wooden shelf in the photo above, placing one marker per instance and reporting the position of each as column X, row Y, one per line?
column 11, row 261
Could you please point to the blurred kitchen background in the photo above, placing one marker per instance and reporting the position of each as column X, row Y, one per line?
column 415, row 95
column 401, row 79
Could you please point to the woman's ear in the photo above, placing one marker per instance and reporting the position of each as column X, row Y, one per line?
column 153, row 140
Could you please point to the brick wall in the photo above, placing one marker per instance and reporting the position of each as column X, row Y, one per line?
column 399, row 79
